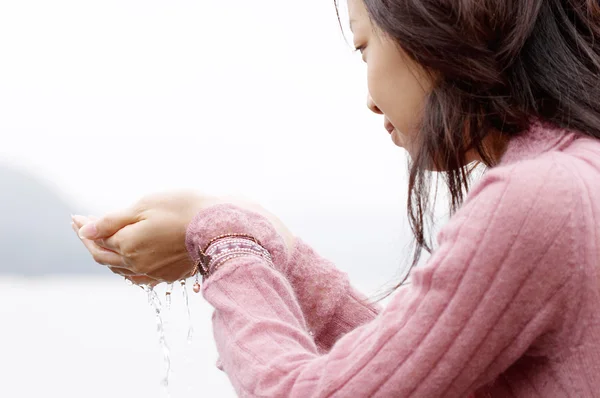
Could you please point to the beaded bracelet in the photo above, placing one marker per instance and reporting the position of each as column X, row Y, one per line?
column 231, row 236
column 226, row 247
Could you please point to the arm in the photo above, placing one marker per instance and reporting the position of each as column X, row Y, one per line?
column 317, row 283
column 503, row 276
column 331, row 306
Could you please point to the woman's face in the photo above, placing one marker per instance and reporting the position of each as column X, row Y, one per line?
column 397, row 85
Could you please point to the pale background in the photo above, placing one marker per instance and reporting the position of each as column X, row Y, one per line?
column 102, row 102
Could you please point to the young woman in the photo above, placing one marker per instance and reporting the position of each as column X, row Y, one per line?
column 507, row 305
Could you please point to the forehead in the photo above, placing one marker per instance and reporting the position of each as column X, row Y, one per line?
column 357, row 13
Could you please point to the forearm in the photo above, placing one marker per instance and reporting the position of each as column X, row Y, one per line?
column 329, row 304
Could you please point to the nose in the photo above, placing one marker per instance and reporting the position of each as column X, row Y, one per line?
column 372, row 107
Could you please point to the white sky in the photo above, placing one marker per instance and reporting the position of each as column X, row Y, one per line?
column 110, row 100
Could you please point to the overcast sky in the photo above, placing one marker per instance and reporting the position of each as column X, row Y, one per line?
column 112, row 99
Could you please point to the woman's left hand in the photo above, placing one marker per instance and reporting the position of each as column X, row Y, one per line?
column 146, row 242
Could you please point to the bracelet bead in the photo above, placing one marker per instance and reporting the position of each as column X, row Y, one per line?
column 226, row 247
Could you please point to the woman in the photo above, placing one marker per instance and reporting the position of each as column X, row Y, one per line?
column 507, row 305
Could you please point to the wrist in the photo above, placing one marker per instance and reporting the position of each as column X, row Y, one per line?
column 227, row 218
column 227, row 247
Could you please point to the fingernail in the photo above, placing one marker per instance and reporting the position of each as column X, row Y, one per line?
column 88, row 231
column 81, row 220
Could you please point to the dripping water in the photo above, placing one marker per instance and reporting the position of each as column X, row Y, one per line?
column 187, row 307
column 189, row 362
column 168, row 295
column 154, row 301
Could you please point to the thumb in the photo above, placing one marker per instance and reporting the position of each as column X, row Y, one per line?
column 108, row 225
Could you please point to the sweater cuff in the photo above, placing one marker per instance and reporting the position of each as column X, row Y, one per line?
column 228, row 218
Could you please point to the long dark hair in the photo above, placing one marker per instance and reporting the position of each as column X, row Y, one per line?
column 498, row 65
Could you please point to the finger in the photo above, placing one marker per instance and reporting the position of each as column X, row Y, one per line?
column 80, row 221
column 115, row 242
column 110, row 245
column 76, row 225
column 142, row 280
column 135, row 278
column 103, row 256
column 76, row 228
column 125, row 242
column 108, row 225
column 122, row 271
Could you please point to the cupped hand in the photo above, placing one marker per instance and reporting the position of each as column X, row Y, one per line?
column 145, row 243
column 107, row 257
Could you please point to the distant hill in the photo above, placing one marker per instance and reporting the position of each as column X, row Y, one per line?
column 35, row 233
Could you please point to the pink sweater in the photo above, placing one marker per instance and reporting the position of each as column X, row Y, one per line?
column 507, row 306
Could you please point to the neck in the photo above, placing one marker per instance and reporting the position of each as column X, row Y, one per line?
column 494, row 145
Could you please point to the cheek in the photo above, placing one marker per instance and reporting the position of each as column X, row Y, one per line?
column 376, row 83
column 398, row 94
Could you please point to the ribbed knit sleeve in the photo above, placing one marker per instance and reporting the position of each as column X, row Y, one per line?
column 504, row 275
column 330, row 305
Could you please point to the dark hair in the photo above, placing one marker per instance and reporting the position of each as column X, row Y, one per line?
column 498, row 65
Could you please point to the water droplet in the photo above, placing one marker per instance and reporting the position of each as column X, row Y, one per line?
column 128, row 282
column 168, row 295
column 154, row 301
column 187, row 307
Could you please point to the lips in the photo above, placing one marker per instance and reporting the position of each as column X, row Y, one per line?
column 388, row 126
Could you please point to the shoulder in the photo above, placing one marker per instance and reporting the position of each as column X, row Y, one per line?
column 521, row 198
column 546, row 181
column 543, row 161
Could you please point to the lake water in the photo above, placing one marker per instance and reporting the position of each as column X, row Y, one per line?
column 96, row 337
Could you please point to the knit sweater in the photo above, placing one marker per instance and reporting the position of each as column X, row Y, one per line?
column 506, row 306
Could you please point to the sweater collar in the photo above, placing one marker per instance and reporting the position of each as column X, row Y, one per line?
column 538, row 139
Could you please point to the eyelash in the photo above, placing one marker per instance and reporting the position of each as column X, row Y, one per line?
column 359, row 49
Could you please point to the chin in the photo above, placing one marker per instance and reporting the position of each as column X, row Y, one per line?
column 398, row 139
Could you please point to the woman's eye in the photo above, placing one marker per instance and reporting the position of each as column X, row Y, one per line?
column 360, row 48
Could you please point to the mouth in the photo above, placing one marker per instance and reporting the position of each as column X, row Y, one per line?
column 388, row 126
